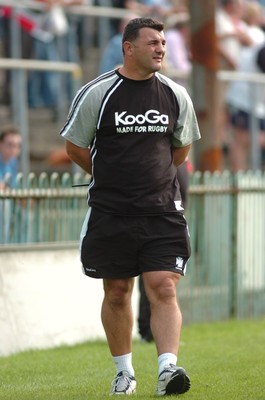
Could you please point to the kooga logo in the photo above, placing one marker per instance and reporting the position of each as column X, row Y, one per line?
column 151, row 116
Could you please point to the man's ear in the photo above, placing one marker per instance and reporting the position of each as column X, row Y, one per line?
column 127, row 48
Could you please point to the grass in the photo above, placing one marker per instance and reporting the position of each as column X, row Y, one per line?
column 225, row 360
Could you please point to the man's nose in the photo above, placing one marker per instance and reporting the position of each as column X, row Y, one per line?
column 160, row 48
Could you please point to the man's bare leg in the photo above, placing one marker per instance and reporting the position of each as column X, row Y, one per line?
column 117, row 315
column 166, row 318
column 166, row 321
column 117, row 319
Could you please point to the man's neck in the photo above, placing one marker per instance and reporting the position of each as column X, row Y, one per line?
column 135, row 75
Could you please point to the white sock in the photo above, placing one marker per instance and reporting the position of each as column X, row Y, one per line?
column 164, row 360
column 124, row 363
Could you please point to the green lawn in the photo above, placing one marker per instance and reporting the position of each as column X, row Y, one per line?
column 225, row 361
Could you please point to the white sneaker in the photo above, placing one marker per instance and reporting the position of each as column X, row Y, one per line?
column 172, row 380
column 123, row 383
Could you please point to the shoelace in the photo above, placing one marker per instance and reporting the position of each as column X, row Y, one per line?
column 171, row 368
column 121, row 382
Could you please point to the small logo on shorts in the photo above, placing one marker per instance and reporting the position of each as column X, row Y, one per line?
column 90, row 269
column 178, row 205
column 179, row 263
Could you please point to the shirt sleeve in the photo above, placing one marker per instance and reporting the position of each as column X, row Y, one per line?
column 187, row 129
column 80, row 127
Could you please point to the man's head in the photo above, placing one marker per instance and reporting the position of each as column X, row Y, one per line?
column 10, row 142
column 143, row 47
column 131, row 31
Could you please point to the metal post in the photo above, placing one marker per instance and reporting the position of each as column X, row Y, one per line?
column 104, row 26
column 76, row 77
column 233, row 276
column 205, row 88
column 255, row 156
column 19, row 99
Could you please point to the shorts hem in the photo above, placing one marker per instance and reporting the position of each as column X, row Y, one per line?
column 99, row 275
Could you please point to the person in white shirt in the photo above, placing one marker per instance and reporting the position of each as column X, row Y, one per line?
column 231, row 31
column 231, row 36
column 254, row 18
column 244, row 101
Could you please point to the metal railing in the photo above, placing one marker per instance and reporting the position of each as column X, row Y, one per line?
column 227, row 226
column 20, row 97
column 104, row 9
column 43, row 209
column 226, row 217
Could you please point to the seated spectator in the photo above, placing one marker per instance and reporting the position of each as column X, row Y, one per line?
column 10, row 145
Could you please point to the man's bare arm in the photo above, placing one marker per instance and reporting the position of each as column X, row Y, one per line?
column 80, row 156
column 180, row 154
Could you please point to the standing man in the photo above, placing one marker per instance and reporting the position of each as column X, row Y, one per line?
column 130, row 128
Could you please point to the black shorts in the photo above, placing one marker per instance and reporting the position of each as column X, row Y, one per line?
column 242, row 119
column 120, row 247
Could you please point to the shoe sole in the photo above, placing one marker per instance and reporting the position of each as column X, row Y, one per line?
column 178, row 384
column 123, row 393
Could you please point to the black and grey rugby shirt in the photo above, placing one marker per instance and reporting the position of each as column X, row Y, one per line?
column 131, row 127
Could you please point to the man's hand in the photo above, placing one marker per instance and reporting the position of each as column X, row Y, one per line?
column 180, row 154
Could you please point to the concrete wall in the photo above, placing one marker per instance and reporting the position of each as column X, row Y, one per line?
column 46, row 301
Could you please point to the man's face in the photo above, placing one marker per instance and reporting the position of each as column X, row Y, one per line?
column 10, row 146
column 148, row 50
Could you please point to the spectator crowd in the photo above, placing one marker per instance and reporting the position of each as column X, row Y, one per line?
column 52, row 32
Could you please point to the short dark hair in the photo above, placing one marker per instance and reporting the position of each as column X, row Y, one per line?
column 8, row 129
column 131, row 31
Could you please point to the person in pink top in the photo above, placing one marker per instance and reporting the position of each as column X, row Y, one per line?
column 177, row 36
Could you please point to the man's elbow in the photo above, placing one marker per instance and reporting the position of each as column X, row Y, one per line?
column 70, row 150
column 180, row 155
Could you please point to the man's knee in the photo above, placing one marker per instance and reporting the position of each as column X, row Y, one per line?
column 118, row 292
column 167, row 289
column 162, row 287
